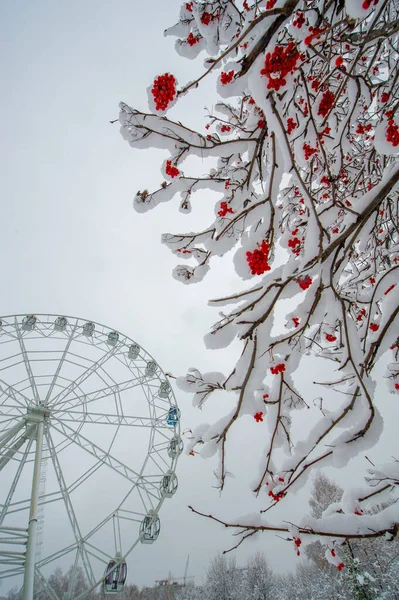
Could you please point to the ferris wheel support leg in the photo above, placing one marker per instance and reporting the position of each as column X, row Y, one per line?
column 29, row 574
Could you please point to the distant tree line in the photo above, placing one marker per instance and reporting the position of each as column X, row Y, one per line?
column 370, row 571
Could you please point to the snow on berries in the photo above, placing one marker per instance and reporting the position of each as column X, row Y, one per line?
column 164, row 90
column 258, row 259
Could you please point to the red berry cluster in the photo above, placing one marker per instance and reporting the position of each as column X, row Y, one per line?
column 192, row 40
column 297, row 542
column 304, row 282
column 261, row 123
column 226, row 77
column 326, row 131
column 206, row 18
column 171, row 170
column 245, row 5
column 257, row 260
column 189, row 6
column 224, row 209
column 270, row 4
column 363, row 128
column 280, row 368
column 392, row 133
column 315, row 33
column 384, row 97
column 340, row 566
column 339, row 61
column 164, row 90
column 279, row 64
column 258, row 417
column 296, row 321
column 295, row 244
column 327, row 101
column 276, row 497
column 330, row 337
column 299, row 21
column 367, row 3
column 225, row 128
column 291, row 125
column 309, row 151
column 374, row 326
column 315, row 84
column 361, row 314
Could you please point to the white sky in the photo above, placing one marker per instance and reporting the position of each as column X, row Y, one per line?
column 72, row 243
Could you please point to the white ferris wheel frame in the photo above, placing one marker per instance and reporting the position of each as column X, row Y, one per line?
column 27, row 421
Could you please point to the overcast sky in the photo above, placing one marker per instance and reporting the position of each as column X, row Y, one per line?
column 72, row 243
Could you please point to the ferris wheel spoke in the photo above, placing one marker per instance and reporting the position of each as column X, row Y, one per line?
column 101, row 393
column 61, row 362
column 9, row 452
column 11, row 392
column 59, row 554
column 94, row 367
column 10, row 433
column 98, row 453
column 108, row 419
column 5, row 506
column 26, row 361
column 69, row 507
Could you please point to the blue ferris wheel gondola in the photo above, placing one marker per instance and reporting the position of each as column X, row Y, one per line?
column 173, row 416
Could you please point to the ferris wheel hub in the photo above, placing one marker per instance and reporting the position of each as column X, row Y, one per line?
column 37, row 414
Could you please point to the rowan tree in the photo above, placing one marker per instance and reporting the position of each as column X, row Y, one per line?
column 304, row 141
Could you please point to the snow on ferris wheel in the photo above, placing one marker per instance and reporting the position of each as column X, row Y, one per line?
column 89, row 441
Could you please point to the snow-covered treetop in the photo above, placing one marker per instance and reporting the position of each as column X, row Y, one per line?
column 305, row 141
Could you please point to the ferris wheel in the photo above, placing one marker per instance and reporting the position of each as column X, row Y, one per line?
column 89, row 440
